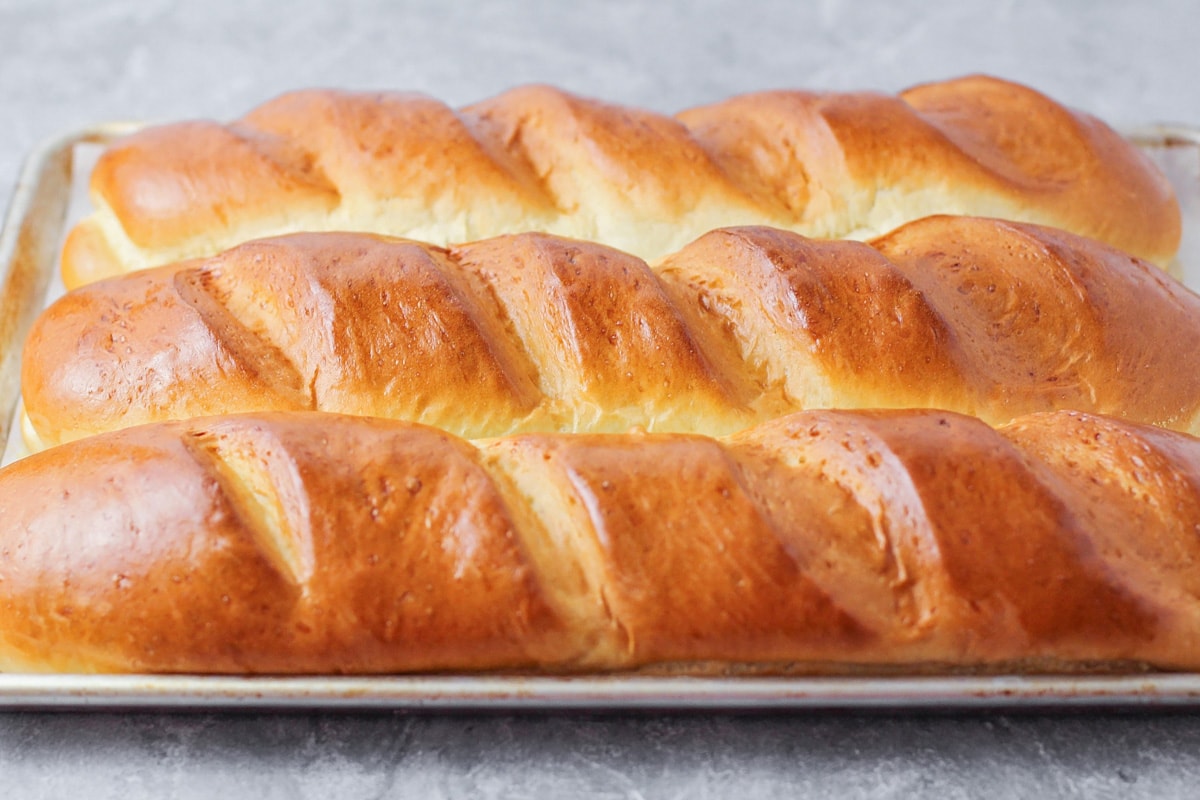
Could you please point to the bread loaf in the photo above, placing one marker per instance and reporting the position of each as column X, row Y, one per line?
column 822, row 541
column 536, row 158
column 535, row 332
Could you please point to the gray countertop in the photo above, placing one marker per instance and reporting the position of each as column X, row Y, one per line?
column 65, row 64
column 646, row 756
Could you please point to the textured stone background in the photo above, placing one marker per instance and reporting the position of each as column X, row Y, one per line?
column 64, row 64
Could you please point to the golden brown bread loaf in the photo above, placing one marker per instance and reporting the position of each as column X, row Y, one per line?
column 536, row 158
column 822, row 541
column 534, row 332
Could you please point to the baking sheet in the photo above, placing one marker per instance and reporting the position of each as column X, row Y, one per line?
column 51, row 195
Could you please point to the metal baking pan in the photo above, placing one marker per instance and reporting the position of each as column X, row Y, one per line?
column 51, row 195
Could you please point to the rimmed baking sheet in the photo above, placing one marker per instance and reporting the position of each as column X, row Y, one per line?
column 51, row 195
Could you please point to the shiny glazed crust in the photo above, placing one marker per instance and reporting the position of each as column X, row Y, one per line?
column 825, row 540
column 535, row 332
column 537, row 158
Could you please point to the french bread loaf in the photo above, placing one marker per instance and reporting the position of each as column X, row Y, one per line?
column 823, row 541
column 536, row 158
column 535, row 332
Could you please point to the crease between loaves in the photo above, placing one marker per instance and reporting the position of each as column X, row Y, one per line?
column 535, row 332
column 825, row 541
column 830, row 165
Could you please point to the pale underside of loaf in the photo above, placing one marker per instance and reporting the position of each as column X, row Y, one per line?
column 536, row 158
column 823, row 541
column 535, row 332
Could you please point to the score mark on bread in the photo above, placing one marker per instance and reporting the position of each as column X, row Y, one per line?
column 536, row 158
column 536, row 332
column 824, row 541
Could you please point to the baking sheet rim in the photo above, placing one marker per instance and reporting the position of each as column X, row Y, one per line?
column 23, row 231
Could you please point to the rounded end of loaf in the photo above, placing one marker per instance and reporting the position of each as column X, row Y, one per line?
column 135, row 349
column 189, row 189
column 983, row 316
column 75, row 374
column 860, row 164
column 1056, row 320
column 87, row 256
column 1080, row 174
column 296, row 560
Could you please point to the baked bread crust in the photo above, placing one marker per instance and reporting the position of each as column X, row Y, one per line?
column 822, row 541
column 536, row 332
column 536, row 158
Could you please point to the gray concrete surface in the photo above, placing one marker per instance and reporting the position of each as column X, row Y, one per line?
column 64, row 64
column 563, row 756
